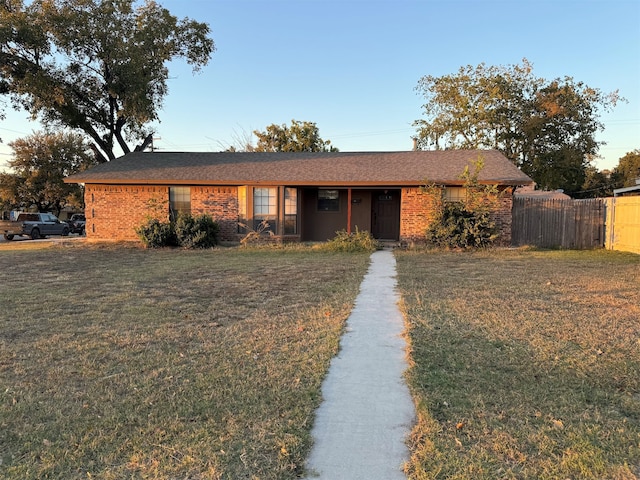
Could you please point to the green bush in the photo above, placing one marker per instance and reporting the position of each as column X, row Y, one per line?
column 155, row 234
column 187, row 231
column 360, row 241
column 196, row 232
column 457, row 227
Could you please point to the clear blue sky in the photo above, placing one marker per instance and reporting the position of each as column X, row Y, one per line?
column 351, row 66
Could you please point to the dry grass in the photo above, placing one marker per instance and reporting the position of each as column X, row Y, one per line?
column 127, row 363
column 526, row 365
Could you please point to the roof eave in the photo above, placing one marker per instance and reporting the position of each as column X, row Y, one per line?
column 200, row 182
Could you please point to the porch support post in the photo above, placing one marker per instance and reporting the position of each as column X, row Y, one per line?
column 349, row 211
column 280, row 218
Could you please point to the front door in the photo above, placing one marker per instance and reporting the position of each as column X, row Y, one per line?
column 385, row 221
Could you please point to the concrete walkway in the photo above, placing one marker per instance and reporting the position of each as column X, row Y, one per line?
column 366, row 414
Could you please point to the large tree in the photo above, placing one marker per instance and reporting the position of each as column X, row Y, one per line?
column 299, row 137
column 40, row 163
column 547, row 128
column 628, row 169
column 97, row 66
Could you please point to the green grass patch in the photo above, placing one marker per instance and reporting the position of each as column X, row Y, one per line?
column 525, row 364
column 127, row 363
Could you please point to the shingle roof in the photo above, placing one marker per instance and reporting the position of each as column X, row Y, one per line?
column 302, row 169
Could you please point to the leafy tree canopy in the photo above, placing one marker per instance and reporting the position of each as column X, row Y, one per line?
column 299, row 137
column 628, row 169
column 41, row 161
column 602, row 184
column 547, row 128
column 93, row 65
column 598, row 183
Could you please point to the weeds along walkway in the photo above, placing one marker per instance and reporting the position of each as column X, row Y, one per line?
column 367, row 412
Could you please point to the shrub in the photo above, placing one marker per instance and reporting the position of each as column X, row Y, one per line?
column 360, row 241
column 455, row 226
column 187, row 231
column 465, row 224
column 196, row 232
column 155, row 234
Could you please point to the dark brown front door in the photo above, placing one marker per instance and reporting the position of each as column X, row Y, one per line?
column 386, row 214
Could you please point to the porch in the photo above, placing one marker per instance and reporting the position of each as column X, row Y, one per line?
column 326, row 211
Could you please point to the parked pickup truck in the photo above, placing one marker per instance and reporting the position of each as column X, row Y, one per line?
column 34, row 225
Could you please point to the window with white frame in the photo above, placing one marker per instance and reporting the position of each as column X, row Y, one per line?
column 265, row 209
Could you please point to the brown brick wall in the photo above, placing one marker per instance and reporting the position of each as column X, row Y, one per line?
column 113, row 211
column 502, row 217
column 222, row 204
column 416, row 212
column 501, row 206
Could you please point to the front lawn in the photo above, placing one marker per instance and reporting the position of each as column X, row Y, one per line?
column 127, row 363
column 526, row 365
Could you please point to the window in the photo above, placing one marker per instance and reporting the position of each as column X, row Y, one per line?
column 328, row 200
column 179, row 201
column 290, row 211
column 455, row 194
column 265, row 208
column 268, row 210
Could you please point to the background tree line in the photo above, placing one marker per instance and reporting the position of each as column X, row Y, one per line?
column 545, row 127
column 95, row 73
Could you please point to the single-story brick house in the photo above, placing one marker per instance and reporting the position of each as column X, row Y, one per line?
column 303, row 196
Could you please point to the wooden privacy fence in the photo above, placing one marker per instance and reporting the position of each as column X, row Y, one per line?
column 623, row 224
column 555, row 223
